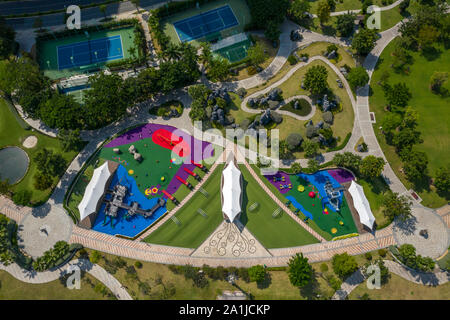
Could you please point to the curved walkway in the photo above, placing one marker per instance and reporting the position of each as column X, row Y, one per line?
column 429, row 278
column 85, row 265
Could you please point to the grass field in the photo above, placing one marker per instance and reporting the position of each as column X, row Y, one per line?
column 343, row 5
column 13, row 289
column 278, row 232
column 48, row 57
column 374, row 191
column 239, row 8
column 12, row 134
column 400, row 289
column 434, row 117
column 194, row 228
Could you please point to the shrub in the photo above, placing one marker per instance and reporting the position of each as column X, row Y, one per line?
column 95, row 256
column 138, row 264
column 119, row 262
column 334, row 282
column 300, row 271
column 241, row 92
column 243, row 274
column 292, row 60
column 382, row 252
column 22, row 197
column 251, row 70
column 344, row 265
column 276, row 117
column 42, row 181
column 328, row 117
column 257, row 273
column 294, row 140
column 323, row 267
column 368, row 256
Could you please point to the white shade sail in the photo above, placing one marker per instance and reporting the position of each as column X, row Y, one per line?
column 94, row 191
column 361, row 205
column 231, row 191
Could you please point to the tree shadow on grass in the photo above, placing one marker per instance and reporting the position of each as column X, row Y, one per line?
column 244, row 217
column 312, row 290
column 431, row 53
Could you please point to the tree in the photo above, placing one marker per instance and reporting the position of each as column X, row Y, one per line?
column 358, row 77
column 442, row 180
column 199, row 92
column 296, row 168
column 62, row 111
column 410, row 118
column 50, row 163
column 257, row 273
column 428, row 35
column 414, row 164
column 391, row 121
column 323, row 11
column 219, row 69
column 284, row 151
column 438, row 81
column 345, row 24
column 344, row 265
column 316, row 80
column 364, row 41
column 272, row 30
column 396, row 206
column 313, row 165
column 311, row 148
column 70, row 139
column 264, row 11
column 42, row 181
column 371, row 166
column 397, row 95
column 206, row 53
column 300, row 272
column 299, row 8
column 7, row 40
column 405, row 139
column 102, row 9
column 294, row 140
column 22, row 197
column 347, row 160
column 4, row 186
column 256, row 54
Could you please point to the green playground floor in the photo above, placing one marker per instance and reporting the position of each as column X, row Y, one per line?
column 239, row 8
column 326, row 222
column 48, row 56
column 156, row 164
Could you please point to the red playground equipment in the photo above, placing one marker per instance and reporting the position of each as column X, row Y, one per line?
column 187, row 184
column 168, row 140
column 196, row 176
column 202, row 167
column 311, row 194
column 171, row 197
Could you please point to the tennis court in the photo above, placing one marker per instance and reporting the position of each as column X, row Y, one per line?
column 89, row 52
column 205, row 23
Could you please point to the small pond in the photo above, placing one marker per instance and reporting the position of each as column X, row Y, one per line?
column 13, row 164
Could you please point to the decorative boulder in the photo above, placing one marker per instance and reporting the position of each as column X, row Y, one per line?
column 328, row 117
column 311, row 132
column 319, row 125
column 117, row 151
column 294, row 140
column 137, row 157
column 332, row 55
column 265, row 118
column 276, row 117
column 241, row 92
column 132, row 149
column 273, row 104
column 251, row 103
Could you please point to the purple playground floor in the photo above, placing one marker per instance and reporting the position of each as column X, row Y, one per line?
column 341, row 175
column 277, row 184
column 198, row 149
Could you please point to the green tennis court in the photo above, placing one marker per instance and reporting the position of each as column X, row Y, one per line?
column 47, row 51
column 235, row 52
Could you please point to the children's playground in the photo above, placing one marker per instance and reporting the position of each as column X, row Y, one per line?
column 319, row 197
column 154, row 162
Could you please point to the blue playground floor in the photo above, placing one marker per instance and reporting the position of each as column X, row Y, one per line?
column 136, row 224
column 205, row 23
column 89, row 52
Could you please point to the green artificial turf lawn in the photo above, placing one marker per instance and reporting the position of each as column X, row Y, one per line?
column 279, row 232
column 434, row 118
column 12, row 134
column 314, row 205
column 194, row 228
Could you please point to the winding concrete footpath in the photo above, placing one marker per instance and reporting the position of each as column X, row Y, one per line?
column 429, row 278
column 85, row 265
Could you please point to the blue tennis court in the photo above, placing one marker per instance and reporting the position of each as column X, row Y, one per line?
column 205, row 23
column 89, row 52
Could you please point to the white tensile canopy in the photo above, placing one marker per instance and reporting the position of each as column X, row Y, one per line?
column 94, row 191
column 361, row 205
column 231, row 191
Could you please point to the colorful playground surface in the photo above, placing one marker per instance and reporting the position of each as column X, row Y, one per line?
column 168, row 157
column 205, row 23
column 89, row 52
column 319, row 197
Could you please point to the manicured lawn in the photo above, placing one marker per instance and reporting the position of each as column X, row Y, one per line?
column 374, row 191
column 317, row 49
column 343, row 5
column 12, row 134
column 343, row 121
column 13, row 289
column 278, row 232
column 434, row 118
column 400, row 289
column 390, row 18
column 194, row 228
column 303, row 110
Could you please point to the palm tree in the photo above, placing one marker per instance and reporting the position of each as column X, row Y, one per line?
column 103, row 10
column 172, row 52
column 206, row 55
